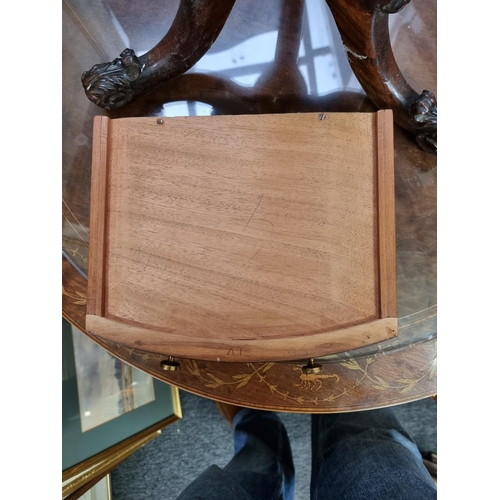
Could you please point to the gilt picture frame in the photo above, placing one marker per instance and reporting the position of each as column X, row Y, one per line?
column 91, row 452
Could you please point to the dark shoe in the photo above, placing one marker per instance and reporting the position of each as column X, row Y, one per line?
column 430, row 462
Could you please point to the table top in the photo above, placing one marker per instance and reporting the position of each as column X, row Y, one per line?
column 250, row 69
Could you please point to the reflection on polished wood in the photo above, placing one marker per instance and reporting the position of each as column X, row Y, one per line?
column 195, row 28
column 346, row 382
column 407, row 363
column 363, row 26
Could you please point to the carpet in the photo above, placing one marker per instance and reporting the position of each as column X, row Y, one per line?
column 165, row 466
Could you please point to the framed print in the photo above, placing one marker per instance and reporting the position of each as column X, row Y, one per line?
column 101, row 490
column 107, row 387
column 109, row 409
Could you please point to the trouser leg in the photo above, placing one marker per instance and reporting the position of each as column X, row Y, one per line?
column 262, row 466
column 366, row 455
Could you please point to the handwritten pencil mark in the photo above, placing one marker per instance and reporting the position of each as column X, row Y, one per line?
column 255, row 254
column 270, row 236
column 269, row 222
column 262, row 196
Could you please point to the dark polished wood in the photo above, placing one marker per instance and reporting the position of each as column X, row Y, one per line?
column 345, row 383
column 363, row 26
column 74, row 295
column 401, row 370
column 195, row 28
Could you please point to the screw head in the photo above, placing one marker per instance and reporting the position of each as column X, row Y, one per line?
column 321, row 116
column 160, row 121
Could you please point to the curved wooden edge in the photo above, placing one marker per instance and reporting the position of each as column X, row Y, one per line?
column 319, row 409
column 369, row 382
column 300, row 347
column 345, row 385
column 74, row 295
column 369, row 52
column 194, row 29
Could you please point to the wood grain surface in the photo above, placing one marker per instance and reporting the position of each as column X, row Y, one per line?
column 319, row 344
column 346, row 383
column 386, row 215
column 98, row 215
column 74, row 295
column 258, row 234
column 405, row 364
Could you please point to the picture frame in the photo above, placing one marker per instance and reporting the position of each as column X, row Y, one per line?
column 132, row 410
column 101, row 490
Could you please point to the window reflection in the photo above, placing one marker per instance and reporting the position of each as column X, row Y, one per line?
column 321, row 60
column 243, row 63
column 187, row 108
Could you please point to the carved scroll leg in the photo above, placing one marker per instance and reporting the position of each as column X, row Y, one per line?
column 364, row 28
column 196, row 26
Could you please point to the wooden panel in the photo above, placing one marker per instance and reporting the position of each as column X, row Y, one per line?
column 248, row 233
column 407, row 374
column 386, row 215
column 229, row 350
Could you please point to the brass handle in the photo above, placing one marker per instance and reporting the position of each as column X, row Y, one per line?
column 311, row 367
column 170, row 364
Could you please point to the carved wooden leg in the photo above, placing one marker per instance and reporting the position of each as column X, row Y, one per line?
column 196, row 26
column 363, row 26
column 282, row 87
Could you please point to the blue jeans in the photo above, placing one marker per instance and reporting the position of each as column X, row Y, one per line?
column 356, row 456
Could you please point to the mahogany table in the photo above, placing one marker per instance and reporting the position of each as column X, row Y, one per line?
column 268, row 57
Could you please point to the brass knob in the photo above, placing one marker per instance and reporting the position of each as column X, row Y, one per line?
column 170, row 364
column 311, row 367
